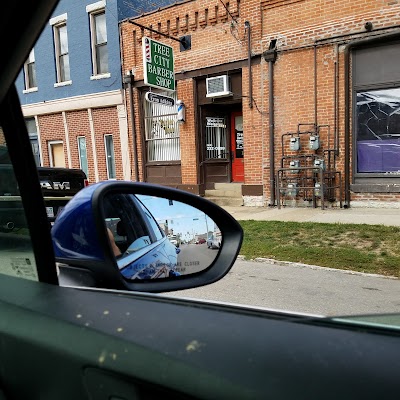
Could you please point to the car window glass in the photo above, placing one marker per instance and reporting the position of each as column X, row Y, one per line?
column 156, row 228
column 16, row 254
column 127, row 224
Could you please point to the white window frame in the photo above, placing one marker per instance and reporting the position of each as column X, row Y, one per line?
column 79, row 154
column 30, row 61
column 49, row 144
column 106, row 150
column 57, row 23
column 93, row 10
column 96, row 73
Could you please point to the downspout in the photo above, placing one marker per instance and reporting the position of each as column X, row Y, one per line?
column 128, row 79
column 347, row 49
column 315, row 88
column 247, row 27
column 270, row 57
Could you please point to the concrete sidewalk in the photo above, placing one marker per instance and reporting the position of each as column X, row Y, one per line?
column 372, row 216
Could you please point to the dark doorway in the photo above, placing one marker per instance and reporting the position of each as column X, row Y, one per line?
column 219, row 149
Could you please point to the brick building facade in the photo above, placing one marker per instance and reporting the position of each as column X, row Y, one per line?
column 310, row 113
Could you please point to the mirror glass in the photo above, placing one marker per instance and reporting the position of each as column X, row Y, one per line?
column 157, row 238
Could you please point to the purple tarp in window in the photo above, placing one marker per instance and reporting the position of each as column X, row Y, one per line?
column 378, row 155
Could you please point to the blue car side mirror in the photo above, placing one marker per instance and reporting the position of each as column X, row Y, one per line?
column 143, row 237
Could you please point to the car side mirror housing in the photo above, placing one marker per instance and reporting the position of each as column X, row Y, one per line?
column 143, row 237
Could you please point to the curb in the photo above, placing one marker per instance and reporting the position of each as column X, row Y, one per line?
column 316, row 267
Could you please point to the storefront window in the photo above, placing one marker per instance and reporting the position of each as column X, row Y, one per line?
column 162, row 130
column 378, row 131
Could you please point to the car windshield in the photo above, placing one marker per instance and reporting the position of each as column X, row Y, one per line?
column 293, row 127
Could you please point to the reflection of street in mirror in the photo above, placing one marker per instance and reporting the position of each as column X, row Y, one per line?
column 157, row 238
column 188, row 229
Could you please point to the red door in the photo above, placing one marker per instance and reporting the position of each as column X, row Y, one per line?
column 237, row 147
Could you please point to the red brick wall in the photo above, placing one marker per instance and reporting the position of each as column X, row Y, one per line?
column 188, row 140
column 78, row 125
column 300, row 27
column 105, row 121
column 51, row 128
column 198, row 19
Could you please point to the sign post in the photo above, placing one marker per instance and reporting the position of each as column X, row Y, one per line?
column 158, row 64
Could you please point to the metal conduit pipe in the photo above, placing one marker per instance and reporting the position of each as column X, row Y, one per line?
column 347, row 49
column 128, row 79
column 247, row 27
column 315, row 88
column 270, row 56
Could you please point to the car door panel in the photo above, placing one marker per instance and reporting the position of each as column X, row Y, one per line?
column 182, row 347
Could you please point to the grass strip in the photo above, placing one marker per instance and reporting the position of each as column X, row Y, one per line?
column 358, row 247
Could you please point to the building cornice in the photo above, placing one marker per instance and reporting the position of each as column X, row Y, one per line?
column 97, row 100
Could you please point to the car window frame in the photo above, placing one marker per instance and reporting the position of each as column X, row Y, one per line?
column 25, row 170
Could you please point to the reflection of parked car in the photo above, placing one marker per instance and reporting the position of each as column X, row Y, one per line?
column 174, row 239
column 214, row 241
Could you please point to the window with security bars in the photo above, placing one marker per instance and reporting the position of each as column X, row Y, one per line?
column 162, row 130
column 216, row 139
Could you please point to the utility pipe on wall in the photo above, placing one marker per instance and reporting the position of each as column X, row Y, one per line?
column 270, row 56
column 128, row 78
column 247, row 27
column 315, row 88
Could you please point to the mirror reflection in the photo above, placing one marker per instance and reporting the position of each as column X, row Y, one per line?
column 156, row 238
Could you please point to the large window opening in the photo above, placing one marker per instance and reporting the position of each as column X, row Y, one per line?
column 162, row 130
column 378, row 131
column 376, row 118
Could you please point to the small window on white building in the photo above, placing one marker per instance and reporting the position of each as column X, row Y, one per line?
column 110, row 158
column 83, row 162
column 30, row 72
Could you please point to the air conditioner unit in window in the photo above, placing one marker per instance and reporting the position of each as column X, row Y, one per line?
column 218, row 86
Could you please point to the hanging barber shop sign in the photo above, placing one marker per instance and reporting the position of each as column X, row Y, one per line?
column 158, row 64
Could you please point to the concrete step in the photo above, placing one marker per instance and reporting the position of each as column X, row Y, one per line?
column 232, row 187
column 222, row 193
column 226, row 201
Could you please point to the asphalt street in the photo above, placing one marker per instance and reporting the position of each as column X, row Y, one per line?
column 302, row 289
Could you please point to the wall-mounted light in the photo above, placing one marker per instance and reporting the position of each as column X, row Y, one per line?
column 128, row 76
column 181, row 110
